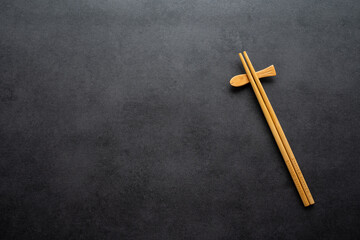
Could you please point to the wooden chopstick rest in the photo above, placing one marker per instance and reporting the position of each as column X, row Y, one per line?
column 242, row 79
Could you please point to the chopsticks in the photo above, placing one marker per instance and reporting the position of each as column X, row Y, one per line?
column 278, row 133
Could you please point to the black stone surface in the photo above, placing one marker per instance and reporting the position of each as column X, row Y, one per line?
column 117, row 120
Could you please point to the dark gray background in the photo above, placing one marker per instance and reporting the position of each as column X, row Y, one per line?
column 117, row 119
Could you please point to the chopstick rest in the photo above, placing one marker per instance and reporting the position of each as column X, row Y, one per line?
column 242, row 79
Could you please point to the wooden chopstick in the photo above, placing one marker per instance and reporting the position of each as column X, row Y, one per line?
column 281, row 132
column 275, row 134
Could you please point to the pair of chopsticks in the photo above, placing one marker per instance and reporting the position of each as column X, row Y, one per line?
column 278, row 133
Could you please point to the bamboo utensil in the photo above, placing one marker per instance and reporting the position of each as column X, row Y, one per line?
column 278, row 133
column 242, row 79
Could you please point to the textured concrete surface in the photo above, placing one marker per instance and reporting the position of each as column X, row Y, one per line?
column 117, row 120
